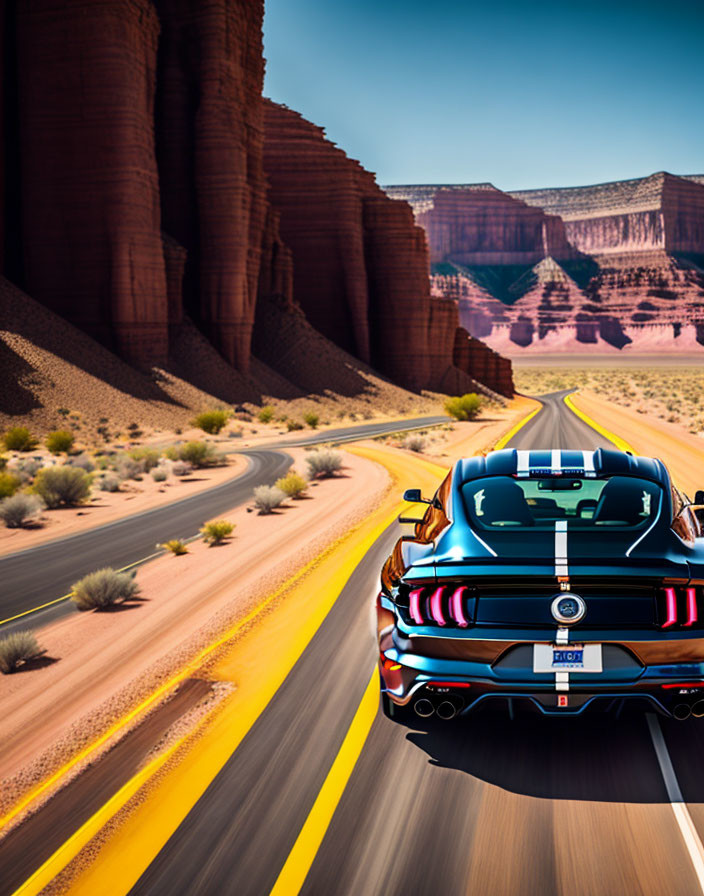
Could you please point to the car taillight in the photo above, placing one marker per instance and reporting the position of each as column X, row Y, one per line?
column 443, row 605
column 414, row 606
column 678, row 607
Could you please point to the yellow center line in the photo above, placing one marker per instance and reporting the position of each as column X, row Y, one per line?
column 307, row 844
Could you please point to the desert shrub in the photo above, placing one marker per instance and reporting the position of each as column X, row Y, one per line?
column 217, row 531
column 127, row 468
column 26, row 469
column 266, row 414
column 9, row 484
column 82, row 461
column 147, row 458
column 17, row 648
column 268, row 497
column 109, row 483
column 211, row 421
column 292, row 425
column 324, row 463
column 463, row 407
column 414, row 443
column 3, row 462
column 20, row 509
column 62, row 486
column 312, row 419
column 198, row 454
column 292, row 484
column 171, row 453
column 60, row 441
column 160, row 474
column 175, row 545
column 180, row 468
column 104, row 588
column 19, row 438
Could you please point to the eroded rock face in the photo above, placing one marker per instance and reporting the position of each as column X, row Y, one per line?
column 209, row 138
column 360, row 266
column 624, row 267
column 90, row 215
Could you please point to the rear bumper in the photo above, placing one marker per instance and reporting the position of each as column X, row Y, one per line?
column 406, row 678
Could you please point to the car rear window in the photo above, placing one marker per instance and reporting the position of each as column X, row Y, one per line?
column 603, row 503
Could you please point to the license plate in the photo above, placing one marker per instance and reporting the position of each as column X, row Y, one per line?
column 567, row 658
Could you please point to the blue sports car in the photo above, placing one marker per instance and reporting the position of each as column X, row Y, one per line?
column 562, row 580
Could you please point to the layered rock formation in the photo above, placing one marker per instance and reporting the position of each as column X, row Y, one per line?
column 624, row 263
column 360, row 265
column 488, row 227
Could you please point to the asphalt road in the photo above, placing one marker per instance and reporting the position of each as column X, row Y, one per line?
column 39, row 575
column 533, row 806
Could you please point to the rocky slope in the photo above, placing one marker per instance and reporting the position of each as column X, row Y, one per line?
column 621, row 265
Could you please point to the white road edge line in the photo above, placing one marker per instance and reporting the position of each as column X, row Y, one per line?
column 689, row 833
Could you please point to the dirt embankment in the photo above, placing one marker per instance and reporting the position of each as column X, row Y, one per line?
column 682, row 452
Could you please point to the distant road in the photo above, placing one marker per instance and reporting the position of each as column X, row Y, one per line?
column 42, row 574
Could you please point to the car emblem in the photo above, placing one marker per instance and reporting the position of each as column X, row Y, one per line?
column 568, row 608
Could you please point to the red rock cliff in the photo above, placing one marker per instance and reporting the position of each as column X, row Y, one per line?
column 360, row 264
column 486, row 226
column 209, row 139
column 89, row 186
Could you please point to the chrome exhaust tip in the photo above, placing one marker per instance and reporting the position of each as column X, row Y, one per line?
column 423, row 708
column 682, row 711
column 446, row 710
column 698, row 709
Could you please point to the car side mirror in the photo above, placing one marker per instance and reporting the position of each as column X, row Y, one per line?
column 414, row 496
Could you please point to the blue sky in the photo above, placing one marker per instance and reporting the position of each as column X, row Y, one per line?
column 519, row 94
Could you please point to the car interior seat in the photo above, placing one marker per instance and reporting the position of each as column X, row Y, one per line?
column 505, row 504
column 620, row 504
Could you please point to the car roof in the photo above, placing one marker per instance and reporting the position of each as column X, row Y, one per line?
column 560, row 462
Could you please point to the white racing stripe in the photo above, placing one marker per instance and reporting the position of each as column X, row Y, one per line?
column 562, row 681
column 588, row 462
column 562, row 636
column 522, row 462
column 561, row 566
column 684, row 820
column 556, row 461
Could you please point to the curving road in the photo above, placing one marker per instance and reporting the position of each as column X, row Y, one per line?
column 535, row 806
column 39, row 575
column 487, row 805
